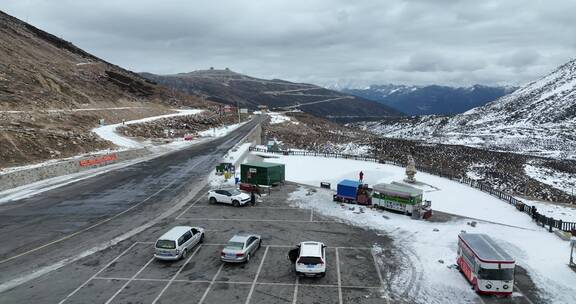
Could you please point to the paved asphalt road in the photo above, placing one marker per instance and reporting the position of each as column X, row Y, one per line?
column 39, row 232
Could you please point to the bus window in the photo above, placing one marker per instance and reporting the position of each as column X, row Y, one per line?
column 496, row 274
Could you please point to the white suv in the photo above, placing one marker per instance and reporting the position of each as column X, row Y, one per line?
column 311, row 260
column 228, row 196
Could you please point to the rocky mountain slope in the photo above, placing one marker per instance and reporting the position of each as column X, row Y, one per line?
column 537, row 119
column 432, row 99
column 226, row 86
column 53, row 93
column 501, row 170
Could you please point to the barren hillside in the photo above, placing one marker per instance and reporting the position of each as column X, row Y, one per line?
column 53, row 93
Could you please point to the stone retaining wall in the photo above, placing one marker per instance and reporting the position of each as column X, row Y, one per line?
column 27, row 176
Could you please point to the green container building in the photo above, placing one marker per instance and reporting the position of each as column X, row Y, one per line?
column 260, row 173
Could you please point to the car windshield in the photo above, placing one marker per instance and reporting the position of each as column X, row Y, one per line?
column 234, row 192
column 235, row 245
column 496, row 274
column 165, row 244
column 310, row 260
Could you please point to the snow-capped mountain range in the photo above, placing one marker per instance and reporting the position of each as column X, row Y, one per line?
column 537, row 119
column 431, row 99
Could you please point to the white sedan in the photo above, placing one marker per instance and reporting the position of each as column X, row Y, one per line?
column 228, row 196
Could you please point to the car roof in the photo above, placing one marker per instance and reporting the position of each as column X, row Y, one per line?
column 241, row 237
column 175, row 233
column 311, row 249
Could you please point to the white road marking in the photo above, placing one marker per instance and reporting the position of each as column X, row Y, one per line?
column 237, row 283
column 339, row 279
column 295, row 297
column 211, row 284
column 252, row 220
column 96, row 274
column 255, row 207
column 175, row 275
column 311, row 215
column 192, row 205
column 257, row 275
column 128, row 282
column 379, row 275
column 87, row 228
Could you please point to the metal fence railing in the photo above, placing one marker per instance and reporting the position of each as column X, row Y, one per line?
column 532, row 211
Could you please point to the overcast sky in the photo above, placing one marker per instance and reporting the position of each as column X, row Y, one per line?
column 453, row 42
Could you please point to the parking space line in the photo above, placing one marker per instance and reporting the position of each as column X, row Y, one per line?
column 257, row 275
column 252, row 220
column 291, row 246
column 295, row 297
column 97, row 273
column 211, row 284
column 339, row 279
column 130, row 280
column 379, row 273
column 192, row 205
column 311, row 215
column 346, row 247
column 175, row 275
column 250, row 207
column 240, row 283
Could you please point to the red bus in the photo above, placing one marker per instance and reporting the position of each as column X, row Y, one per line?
column 485, row 265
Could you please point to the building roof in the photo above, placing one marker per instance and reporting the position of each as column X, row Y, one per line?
column 262, row 164
column 349, row 183
column 399, row 189
column 485, row 248
column 174, row 233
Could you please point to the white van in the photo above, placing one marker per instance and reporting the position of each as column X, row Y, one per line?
column 177, row 242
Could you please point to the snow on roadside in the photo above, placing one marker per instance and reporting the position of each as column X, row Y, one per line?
column 556, row 211
column 278, row 118
column 109, row 133
column 220, row 131
column 559, row 180
column 542, row 254
column 235, row 156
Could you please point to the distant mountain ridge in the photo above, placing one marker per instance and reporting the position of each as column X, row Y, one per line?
column 537, row 119
column 431, row 99
column 233, row 88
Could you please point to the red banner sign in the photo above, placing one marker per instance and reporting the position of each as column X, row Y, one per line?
column 98, row 160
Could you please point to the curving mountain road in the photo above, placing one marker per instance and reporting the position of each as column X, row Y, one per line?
column 57, row 227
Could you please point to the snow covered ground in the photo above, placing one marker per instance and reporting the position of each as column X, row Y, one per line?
column 277, row 118
column 235, row 156
column 541, row 253
column 563, row 212
column 559, row 180
column 109, row 133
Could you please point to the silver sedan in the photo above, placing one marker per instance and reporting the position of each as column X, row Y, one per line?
column 240, row 248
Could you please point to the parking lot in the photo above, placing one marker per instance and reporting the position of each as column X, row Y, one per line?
column 133, row 276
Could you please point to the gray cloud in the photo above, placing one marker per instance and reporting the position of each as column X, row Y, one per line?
column 325, row 42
